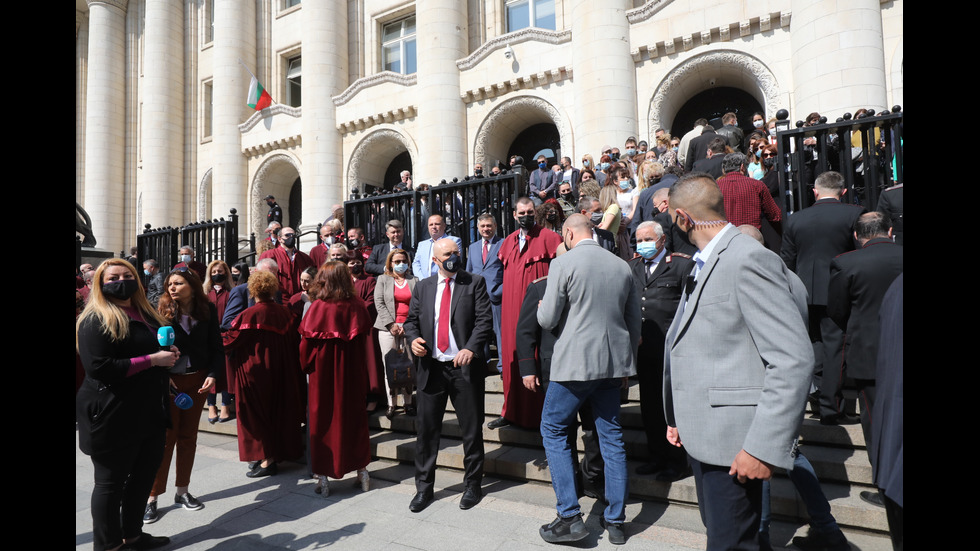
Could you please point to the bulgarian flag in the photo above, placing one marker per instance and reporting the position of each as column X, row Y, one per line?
column 258, row 98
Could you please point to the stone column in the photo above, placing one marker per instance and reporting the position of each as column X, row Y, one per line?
column 441, row 38
column 164, row 190
column 234, row 40
column 105, row 122
column 324, row 76
column 81, row 76
column 838, row 57
column 604, row 76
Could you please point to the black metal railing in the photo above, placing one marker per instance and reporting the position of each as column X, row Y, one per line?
column 211, row 240
column 460, row 203
column 866, row 151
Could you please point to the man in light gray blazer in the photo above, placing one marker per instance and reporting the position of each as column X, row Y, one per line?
column 592, row 299
column 737, row 369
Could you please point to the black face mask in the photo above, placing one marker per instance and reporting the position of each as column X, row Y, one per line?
column 357, row 269
column 289, row 242
column 478, row 172
column 353, row 243
column 615, row 156
column 596, row 218
column 219, row 278
column 567, row 197
column 452, row 264
column 236, row 277
column 769, row 162
column 121, row 289
column 552, row 217
column 526, row 222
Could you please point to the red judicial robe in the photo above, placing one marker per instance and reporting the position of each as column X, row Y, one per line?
column 364, row 287
column 335, row 350
column 521, row 406
column 268, row 384
column 289, row 270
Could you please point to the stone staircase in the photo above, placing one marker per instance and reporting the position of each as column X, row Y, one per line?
column 837, row 453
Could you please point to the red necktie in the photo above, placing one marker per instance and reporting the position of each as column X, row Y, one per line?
column 486, row 249
column 442, row 338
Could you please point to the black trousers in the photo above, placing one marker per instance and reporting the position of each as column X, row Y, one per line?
column 729, row 510
column 828, row 348
column 123, row 479
column 650, row 373
column 447, row 383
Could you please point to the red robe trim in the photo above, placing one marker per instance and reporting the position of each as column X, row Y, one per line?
column 521, row 406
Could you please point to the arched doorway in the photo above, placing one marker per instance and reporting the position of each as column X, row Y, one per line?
column 728, row 72
column 393, row 175
column 295, row 217
column 712, row 104
column 539, row 139
column 278, row 175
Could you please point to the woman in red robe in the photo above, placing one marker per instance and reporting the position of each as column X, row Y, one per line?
column 269, row 386
column 335, row 350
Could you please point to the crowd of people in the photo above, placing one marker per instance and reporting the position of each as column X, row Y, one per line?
column 318, row 341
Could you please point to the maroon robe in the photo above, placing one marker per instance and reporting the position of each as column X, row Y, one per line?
column 521, row 406
column 319, row 254
column 335, row 349
column 268, row 384
column 220, row 301
column 364, row 287
column 289, row 270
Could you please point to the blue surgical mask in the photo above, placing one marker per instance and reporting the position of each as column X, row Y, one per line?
column 630, row 152
column 675, row 148
column 647, row 249
column 585, row 163
column 400, row 267
column 624, row 184
column 604, row 166
column 146, row 272
column 185, row 258
column 542, row 165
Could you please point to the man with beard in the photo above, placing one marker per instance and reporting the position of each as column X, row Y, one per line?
column 291, row 262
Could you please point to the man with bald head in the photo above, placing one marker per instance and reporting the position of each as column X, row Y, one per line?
column 740, row 418
column 592, row 298
column 449, row 322
column 291, row 262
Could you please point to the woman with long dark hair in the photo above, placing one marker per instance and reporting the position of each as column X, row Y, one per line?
column 217, row 287
column 121, row 408
column 185, row 306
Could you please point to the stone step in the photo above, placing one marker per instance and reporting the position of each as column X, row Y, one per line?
column 530, row 465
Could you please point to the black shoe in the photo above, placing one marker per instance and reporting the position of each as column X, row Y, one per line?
column 649, row 468
column 564, row 530
column 822, row 541
column 150, row 515
column 259, row 471
column 873, row 498
column 253, row 464
column 420, row 502
column 497, row 423
column 839, row 419
column 226, row 419
column 471, row 497
column 189, row 502
column 147, row 541
column 410, row 410
column 617, row 536
column 390, row 412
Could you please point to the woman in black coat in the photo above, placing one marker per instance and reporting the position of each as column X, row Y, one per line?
column 121, row 407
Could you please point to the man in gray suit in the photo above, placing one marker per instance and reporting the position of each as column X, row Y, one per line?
column 737, row 368
column 592, row 299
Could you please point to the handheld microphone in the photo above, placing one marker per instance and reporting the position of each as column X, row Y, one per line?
column 165, row 336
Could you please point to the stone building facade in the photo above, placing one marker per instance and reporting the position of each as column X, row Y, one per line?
column 364, row 88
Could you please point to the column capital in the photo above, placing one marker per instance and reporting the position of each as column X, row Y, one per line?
column 119, row 4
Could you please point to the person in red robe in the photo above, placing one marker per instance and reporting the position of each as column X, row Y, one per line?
column 269, row 386
column 291, row 262
column 364, row 284
column 521, row 267
column 335, row 350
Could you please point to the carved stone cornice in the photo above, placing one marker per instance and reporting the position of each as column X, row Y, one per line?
column 275, row 109
column 526, row 82
column 203, row 192
column 120, row 4
column 524, row 35
column 724, row 33
column 289, row 142
column 646, row 11
column 736, row 61
column 390, row 116
column 374, row 80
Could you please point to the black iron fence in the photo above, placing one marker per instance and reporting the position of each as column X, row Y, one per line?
column 211, row 240
column 460, row 203
column 867, row 151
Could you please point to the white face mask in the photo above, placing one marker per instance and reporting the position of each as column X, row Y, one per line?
column 185, row 258
column 758, row 124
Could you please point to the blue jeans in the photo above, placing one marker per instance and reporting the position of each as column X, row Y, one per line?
column 805, row 480
column 561, row 403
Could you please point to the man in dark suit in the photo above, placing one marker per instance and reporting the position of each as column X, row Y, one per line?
column 481, row 260
column 239, row 298
column 698, row 147
column 659, row 278
column 812, row 238
column 569, row 174
column 731, row 132
column 395, row 232
column 542, row 182
column 858, row 281
column 713, row 158
column 449, row 321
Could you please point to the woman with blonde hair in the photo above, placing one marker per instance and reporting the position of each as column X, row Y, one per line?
column 121, row 408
